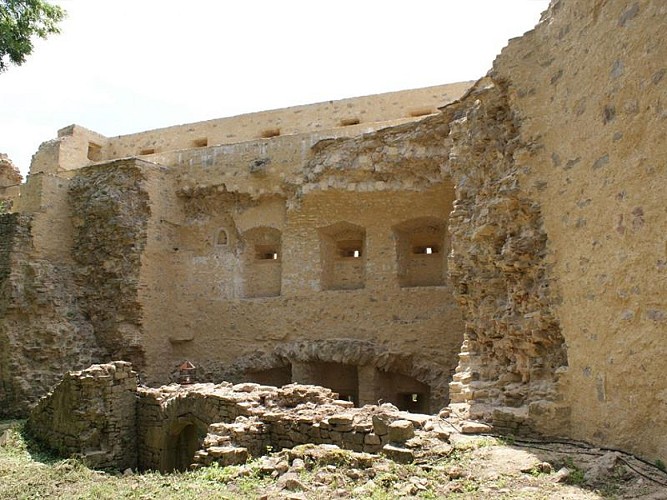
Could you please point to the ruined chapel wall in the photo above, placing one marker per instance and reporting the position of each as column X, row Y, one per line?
column 589, row 88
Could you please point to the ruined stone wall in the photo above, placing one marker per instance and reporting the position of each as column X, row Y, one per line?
column 91, row 414
column 111, row 211
column 10, row 179
column 513, row 350
column 559, row 165
column 217, row 320
column 43, row 333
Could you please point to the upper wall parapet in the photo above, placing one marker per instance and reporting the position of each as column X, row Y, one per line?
column 76, row 146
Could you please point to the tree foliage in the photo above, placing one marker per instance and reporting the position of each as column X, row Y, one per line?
column 20, row 22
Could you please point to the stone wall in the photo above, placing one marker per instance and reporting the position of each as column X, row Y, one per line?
column 42, row 331
column 514, row 350
column 100, row 415
column 110, row 207
column 91, row 414
column 559, row 164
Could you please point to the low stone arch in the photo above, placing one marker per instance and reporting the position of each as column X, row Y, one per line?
column 359, row 353
column 171, row 433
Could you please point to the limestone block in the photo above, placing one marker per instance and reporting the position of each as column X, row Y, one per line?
column 400, row 431
column 398, row 454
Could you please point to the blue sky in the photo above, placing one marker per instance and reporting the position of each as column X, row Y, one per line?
column 122, row 66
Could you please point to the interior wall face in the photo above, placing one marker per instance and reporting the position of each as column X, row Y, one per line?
column 195, row 299
column 588, row 89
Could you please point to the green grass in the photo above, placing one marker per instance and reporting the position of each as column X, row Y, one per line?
column 28, row 472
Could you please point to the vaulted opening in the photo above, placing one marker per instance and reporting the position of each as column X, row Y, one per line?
column 406, row 393
column 339, row 377
column 277, row 377
column 182, row 443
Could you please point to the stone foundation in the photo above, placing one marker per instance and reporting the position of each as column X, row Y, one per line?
column 100, row 415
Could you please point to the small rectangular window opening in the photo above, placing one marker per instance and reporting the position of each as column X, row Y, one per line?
column 349, row 248
column 200, row 143
column 346, row 122
column 268, row 256
column 94, row 151
column 414, row 397
column 272, row 132
column 425, row 250
column 147, row 151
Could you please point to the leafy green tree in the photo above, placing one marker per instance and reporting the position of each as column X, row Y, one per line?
column 20, row 21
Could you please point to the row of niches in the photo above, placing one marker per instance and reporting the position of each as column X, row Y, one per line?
column 420, row 250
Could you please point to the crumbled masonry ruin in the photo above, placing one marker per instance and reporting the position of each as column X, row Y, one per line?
column 496, row 246
column 102, row 416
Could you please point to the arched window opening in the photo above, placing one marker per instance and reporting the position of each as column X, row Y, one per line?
column 262, row 269
column 420, row 252
column 222, row 238
column 342, row 254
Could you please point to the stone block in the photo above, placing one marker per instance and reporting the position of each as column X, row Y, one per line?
column 400, row 431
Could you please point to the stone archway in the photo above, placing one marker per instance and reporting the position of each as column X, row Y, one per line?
column 182, row 442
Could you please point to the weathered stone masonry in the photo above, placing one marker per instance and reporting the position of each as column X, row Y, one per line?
column 103, row 417
column 544, row 183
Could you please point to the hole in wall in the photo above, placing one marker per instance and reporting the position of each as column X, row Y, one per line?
column 420, row 252
column 271, row 132
column 94, row 152
column 342, row 256
column 346, row 122
column 200, row 143
column 147, row 151
column 262, row 268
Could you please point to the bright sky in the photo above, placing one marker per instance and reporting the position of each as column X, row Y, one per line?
column 123, row 66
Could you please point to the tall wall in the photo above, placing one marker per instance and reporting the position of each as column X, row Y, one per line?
column 43, row 333
column 111, row 211
column 559, row 163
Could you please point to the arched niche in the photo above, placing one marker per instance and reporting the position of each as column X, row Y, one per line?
column 343, row 256
column 421, row 252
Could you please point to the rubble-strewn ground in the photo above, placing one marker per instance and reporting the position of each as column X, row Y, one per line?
column 471, row 467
